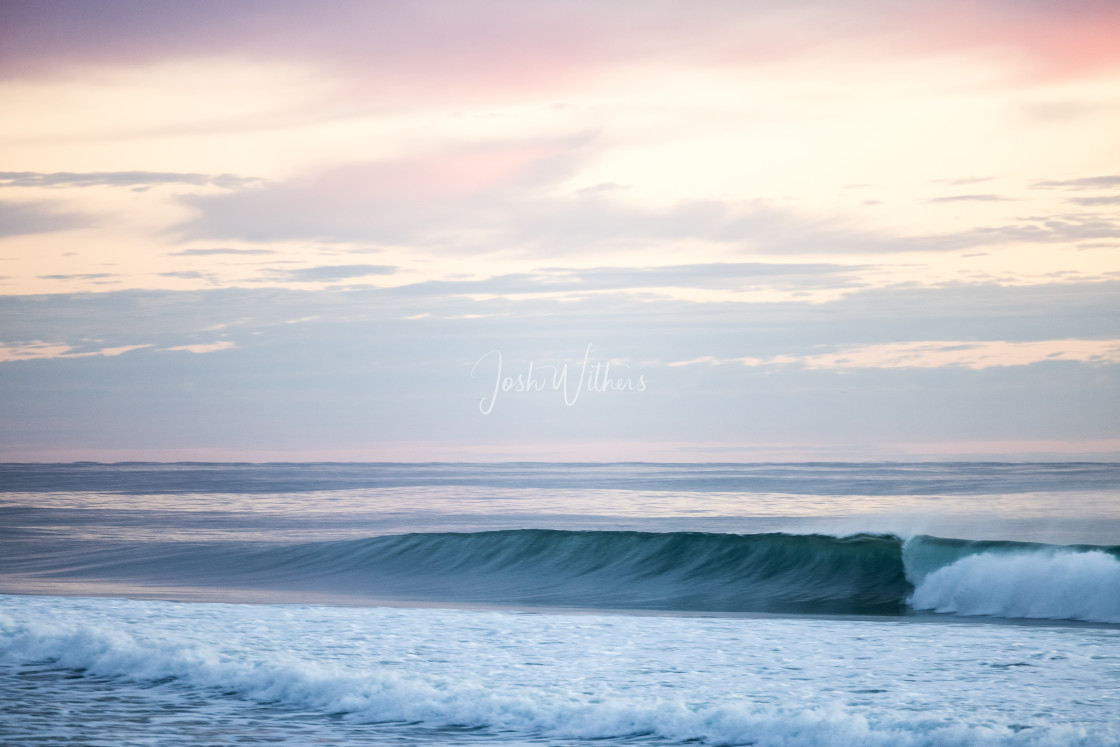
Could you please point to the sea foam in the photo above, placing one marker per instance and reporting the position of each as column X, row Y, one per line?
column 380, row 695
column 1049, row 584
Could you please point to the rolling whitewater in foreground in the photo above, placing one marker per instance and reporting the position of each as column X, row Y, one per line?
column 556, row 604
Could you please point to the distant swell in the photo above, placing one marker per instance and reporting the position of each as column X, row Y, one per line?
column 680, row 571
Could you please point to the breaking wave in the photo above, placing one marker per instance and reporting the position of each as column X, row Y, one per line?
column 681, row 571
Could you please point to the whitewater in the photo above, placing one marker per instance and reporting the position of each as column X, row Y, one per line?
column 811, row 604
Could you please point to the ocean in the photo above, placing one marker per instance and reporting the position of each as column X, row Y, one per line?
column 560, row 604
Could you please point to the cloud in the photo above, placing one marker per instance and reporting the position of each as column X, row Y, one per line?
column 1089, row 182
column 445, row 44
column 717, row 275
column 82, row 276
column 214, row 252
column 936, row 354
column 487, row 198
column 327, row 273
column 182, row 274
column 712, row 276
column 963, row 181
column 652, row 326
column 430, row 197
column 120, row 179
column 493, row 198
column 1060, row 111
column 973, row 198
column 204, row 347
column 22, row 218
column 38, row 349
column 120, row 349
column 1102, row 200
column 1044, row 229
column 481, row 198
column 35, row 349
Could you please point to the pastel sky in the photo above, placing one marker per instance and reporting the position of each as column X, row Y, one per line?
column 794, row 230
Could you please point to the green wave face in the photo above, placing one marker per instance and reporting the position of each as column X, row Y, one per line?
column 684, row 571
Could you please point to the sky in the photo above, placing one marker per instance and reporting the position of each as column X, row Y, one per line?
column 480, row 230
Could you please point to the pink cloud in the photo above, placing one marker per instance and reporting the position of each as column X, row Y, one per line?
column 456, row 174
column 464, row 51
column 1050, row 41
column 427, row 194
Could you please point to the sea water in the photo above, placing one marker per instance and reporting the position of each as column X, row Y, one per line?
column 799, row 604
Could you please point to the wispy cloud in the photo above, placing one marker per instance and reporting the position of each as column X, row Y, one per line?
column 219, row 251
column 200, row 348
column 80, row 276
column 1059, row 310
column 1040, row 229
column 328, row 273
column 23, row 218
column 484, row 199
column 934, row 354
column 973, row 198
column 1101, row 200
column 711, row 276
column 38, row 349
column 550, row 39
column 120, row 179
column 182, row 274
column 965, row 180
column 1087, row 182
column 23, row 351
